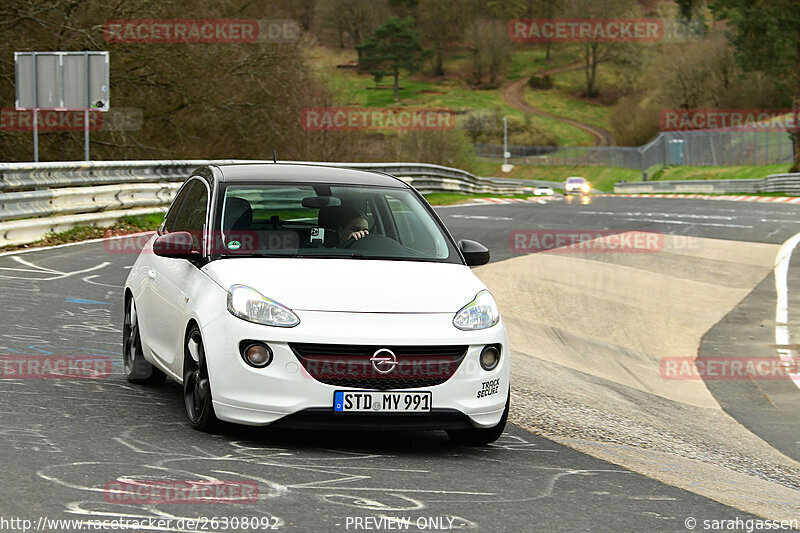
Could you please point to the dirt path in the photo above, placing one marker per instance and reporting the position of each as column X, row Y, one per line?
column 513, row 96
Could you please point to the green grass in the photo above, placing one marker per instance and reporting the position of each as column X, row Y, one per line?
column 574, row 81
column 528, row 61
column 601, row 178
column 717, row 173
column 359, row 90
column 449, row 198
column 604, row 178
column 556, row 101
column 141, row 222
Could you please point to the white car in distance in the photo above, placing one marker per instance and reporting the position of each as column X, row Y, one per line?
column 576, row 185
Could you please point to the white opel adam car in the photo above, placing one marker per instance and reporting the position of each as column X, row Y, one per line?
column 313, row 297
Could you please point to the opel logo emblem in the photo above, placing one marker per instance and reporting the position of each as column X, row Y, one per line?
column 383, row 361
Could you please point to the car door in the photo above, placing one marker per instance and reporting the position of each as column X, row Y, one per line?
column 148, row 302
column 173, row 280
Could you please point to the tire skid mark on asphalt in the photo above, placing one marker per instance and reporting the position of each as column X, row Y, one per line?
column 243, row 454
column 553, row 481
column 241, row 461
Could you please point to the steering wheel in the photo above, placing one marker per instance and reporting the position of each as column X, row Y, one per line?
column 351, row 241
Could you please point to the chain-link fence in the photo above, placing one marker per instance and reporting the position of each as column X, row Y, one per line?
column 695, row 148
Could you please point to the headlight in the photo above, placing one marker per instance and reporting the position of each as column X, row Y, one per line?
column 480, row 313
column 249, row 304
column 585, row 187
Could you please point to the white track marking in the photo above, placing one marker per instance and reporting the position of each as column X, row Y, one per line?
column 471, row 204
column 481, row 217
column 781, row 220
column 682, row 222
column 782, row 336
column 54, row 274
column 651, row 214
column 88, row 279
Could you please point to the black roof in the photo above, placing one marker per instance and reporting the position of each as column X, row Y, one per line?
column 303, row 173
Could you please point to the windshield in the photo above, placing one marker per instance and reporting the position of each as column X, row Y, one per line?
column 322, row 221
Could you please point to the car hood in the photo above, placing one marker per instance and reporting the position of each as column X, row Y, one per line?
column 352, row 285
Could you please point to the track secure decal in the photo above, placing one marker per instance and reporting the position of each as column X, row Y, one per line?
column 489, row 387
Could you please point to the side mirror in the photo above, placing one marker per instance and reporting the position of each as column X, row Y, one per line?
column 474, row 253
column 177, row 245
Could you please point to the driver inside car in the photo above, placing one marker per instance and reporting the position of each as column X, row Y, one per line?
column 347, row 222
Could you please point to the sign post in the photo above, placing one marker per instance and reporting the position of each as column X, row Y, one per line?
column 62, row 81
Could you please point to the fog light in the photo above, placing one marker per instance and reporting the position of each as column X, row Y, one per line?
column 256, row 354
column 490, row 357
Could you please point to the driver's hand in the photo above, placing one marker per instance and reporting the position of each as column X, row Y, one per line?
column 359, row 234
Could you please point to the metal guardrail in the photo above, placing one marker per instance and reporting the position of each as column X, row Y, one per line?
column 30, row 176
column 695, row 148
column 787, row 183
column 61, row 195
column 71, row 200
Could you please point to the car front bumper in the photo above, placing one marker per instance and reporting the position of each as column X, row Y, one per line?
column 261, row 396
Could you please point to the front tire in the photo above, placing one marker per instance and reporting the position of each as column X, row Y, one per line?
column 480, row 436
column 196, row 384
column 137, row 369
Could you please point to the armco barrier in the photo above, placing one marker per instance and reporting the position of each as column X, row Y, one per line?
column 31, row 176
column 787, row 183
column 69, row 200
column 62, row 195
column 29, row 230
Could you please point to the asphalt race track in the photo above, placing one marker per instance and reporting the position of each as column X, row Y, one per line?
column 63, row 441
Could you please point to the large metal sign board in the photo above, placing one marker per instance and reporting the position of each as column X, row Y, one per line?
column 62, row 80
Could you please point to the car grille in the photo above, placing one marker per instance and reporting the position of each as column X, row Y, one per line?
column 349, row 365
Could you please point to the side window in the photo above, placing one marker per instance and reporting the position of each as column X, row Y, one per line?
column 169, row 222
column 191, row 215
column 192, row 212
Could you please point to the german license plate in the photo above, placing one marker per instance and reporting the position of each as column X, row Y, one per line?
column 386, row 402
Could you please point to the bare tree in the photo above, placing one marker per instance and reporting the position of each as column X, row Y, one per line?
column 546, row 9
column 197, row 100
column 595, row 51
column 440, row 22
column 351, row 20
column 487, row 36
